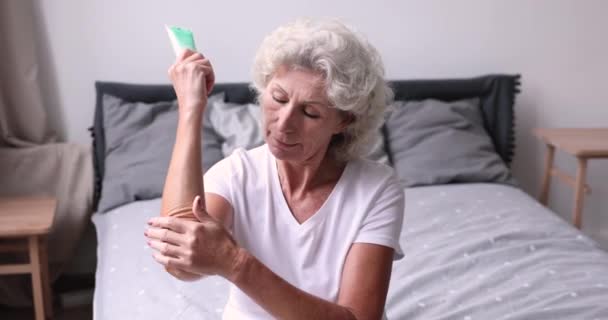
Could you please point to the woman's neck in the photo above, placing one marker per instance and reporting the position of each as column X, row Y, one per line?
column 299, row 177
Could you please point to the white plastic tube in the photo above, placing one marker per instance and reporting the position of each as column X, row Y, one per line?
column 181, row 39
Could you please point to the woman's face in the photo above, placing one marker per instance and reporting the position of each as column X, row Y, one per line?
column 298, row 122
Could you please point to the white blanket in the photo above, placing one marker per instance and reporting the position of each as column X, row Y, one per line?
column 472, row 251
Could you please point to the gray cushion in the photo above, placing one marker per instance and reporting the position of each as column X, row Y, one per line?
column 139, row 141
column 239, row 126
column 436, row 142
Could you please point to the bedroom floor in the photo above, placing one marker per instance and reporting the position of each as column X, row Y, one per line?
column 79, row 313
column 77, row 289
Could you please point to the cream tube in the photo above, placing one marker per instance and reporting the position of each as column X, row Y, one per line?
column 181, row 39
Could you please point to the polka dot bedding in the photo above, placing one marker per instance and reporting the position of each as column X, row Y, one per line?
column 472, row 251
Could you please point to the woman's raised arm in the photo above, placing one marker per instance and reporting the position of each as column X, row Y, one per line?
column 193, row 78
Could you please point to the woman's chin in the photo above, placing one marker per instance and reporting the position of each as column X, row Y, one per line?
column 282, row 153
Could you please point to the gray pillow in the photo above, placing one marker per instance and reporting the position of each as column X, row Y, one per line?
column 239, row 125
column 139, row 141
column 436, row 142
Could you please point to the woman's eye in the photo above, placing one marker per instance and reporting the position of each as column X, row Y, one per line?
column 310, row 114
column 282, row 101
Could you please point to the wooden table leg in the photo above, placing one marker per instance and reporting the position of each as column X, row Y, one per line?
column 581, row 171
column 544, row 192
column 46, row 285
column 34, row 252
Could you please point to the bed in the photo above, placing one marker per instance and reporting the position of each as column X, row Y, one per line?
column 474, row 248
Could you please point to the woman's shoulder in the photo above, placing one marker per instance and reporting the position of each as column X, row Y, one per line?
column 373, row 173
column 255, row 156
column 245, row 161
column 372, row 168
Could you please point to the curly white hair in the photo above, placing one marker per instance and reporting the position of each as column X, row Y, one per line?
column 352, row 69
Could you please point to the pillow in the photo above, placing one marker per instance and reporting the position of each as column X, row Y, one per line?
column 436, row 142
column 139, row 142
column 239, row 126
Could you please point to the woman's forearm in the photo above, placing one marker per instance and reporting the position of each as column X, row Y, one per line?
column 184, row 177
column 278, row 297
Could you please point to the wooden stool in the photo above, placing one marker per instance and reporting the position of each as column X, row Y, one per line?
column 584, row 144
column 29, row 219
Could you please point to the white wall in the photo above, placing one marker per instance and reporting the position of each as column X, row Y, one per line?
column 559, row 47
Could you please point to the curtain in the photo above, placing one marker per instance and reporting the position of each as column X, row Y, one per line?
column 24, row 120
column 32, row 160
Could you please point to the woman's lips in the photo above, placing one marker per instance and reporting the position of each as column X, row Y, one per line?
column 283, row 144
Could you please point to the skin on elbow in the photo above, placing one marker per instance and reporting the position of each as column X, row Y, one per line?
column 180, row 212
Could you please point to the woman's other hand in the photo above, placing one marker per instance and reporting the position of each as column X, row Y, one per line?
column 195, row 248
column 193, row 79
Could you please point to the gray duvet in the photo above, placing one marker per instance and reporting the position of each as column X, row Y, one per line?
column 472, row 251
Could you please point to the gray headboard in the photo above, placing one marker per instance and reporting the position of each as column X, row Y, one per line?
column 496, row 94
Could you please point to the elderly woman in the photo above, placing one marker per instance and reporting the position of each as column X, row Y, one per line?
column 302, row 227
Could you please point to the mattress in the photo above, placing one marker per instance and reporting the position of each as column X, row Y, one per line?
column 472, row 251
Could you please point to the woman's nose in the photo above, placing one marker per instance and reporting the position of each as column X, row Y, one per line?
column 286, row 121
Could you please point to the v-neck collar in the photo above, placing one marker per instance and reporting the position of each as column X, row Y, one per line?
column 286, row 212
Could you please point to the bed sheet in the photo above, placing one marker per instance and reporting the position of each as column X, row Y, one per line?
column 472, row 251
column 489, row 251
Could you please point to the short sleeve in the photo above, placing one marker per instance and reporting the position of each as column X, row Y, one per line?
column 218, row 179
column 382, row 225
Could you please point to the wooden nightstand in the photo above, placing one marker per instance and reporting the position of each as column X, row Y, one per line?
column 24, row 224
column 584, row 144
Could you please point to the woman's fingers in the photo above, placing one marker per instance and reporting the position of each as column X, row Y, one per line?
column 184, row 55
column 209, row 75
column 194, row 68
column 171, row 223
column 198, row 208
column 166, row 249
column 170, row 262
column 193, row 56
column 189, row 56
column 203, row 247
column 190, row 63
column 165, row 235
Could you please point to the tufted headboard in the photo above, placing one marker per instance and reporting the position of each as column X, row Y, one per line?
column 496, row 94
column 497, row 99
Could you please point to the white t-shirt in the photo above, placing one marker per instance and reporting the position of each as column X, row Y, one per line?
column 366, row 205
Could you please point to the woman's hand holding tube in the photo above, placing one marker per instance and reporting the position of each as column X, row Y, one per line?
column 193, row 79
